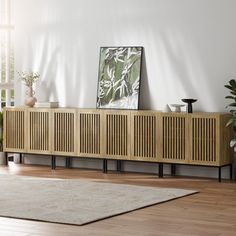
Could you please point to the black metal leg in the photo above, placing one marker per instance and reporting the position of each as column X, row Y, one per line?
column 160, row 165
column 119, row 165
column 6, row 156
column 219, row 174
column 173, row 169
column 68, row 162
column 231, row 171
column 104, row 166
column 53, row 163
column 20, row 158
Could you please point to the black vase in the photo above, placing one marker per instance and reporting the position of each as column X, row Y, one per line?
column 189, row 102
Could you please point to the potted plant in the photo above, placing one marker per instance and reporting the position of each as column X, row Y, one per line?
column 29, row 78
column 232, row 105
column 2, row 154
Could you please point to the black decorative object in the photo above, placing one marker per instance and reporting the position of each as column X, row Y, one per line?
column 189, row 102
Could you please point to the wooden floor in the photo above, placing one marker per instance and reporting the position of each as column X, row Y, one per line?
column 210, row 212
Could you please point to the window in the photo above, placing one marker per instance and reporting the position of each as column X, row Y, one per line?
column 6, row 56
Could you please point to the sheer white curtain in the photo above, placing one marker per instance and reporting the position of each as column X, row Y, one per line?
column 6, row 55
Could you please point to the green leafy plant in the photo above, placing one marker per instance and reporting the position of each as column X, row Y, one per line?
column 232, row 121
column 1, row 131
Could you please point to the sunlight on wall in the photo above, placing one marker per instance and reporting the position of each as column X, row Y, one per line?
column 185, row 54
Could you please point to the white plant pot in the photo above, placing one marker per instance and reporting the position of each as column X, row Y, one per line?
column 3, row 160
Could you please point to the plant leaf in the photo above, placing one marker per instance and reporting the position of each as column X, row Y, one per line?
column 232, row 104
column 232, row 142
column 233, row 113
column 232, row 82
column 231, row 121
column 230, row 97
column 228, row 86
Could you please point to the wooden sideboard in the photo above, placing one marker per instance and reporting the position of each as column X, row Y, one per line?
column 150, row 136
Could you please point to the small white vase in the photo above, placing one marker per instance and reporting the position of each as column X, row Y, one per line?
column 30, row 100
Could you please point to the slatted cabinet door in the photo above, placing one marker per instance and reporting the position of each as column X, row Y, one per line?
column 64, row 132
column 226, row 134
column 90, row 133
column 14, row 130
column 174, row 141
column 144, row 136
column 39, row 131
column 117, row 134
column 210, row 139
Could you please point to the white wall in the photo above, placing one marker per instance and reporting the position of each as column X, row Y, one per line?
column 190, row 48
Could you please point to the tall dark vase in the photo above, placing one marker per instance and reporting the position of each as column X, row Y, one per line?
column 189, row 102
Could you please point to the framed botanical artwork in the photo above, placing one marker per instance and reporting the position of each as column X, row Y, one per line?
column 119, row 77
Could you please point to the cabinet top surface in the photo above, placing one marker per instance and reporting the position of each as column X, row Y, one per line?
column 115, row 110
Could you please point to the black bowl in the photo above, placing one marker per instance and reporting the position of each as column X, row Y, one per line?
column 189, row 100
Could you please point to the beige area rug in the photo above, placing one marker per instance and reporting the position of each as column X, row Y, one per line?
column 75, row 201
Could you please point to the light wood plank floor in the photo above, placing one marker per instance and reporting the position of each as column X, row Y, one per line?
column 211, row 212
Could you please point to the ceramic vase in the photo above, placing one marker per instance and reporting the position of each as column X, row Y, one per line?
column 177, row 107
column 30, row 99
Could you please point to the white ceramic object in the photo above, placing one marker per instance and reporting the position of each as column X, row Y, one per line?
column 177, row 107
column 167, row 108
